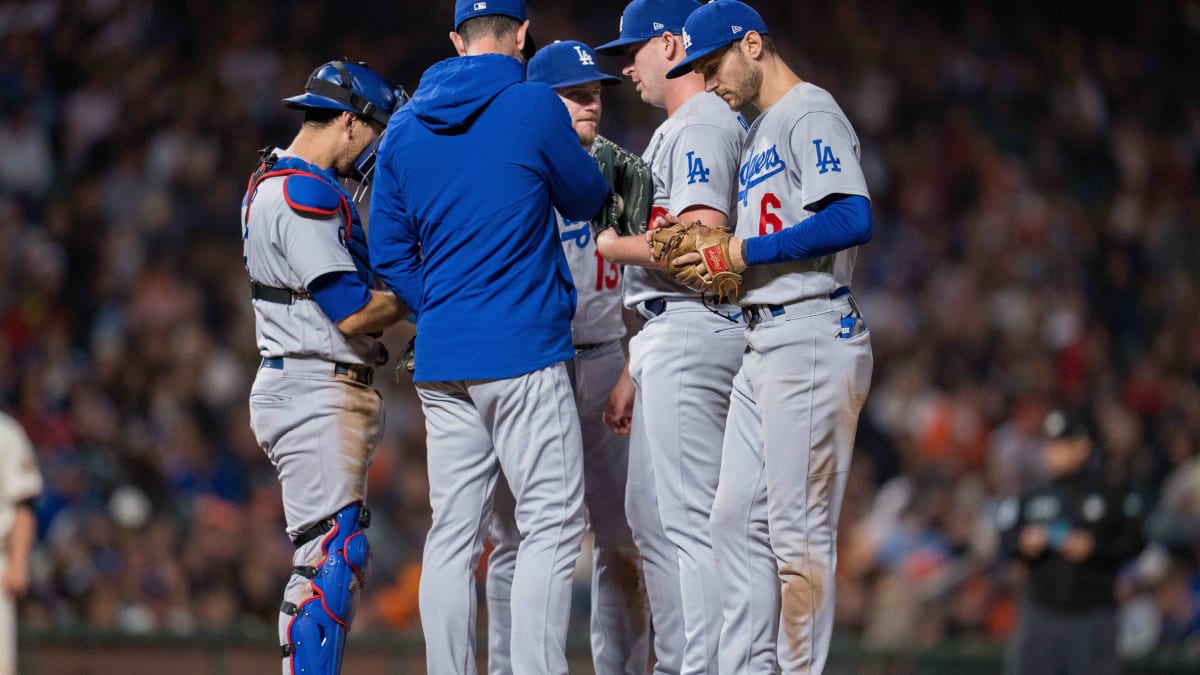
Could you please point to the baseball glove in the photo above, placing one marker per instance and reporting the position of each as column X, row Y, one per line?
column 714, row 272
column 630, row 187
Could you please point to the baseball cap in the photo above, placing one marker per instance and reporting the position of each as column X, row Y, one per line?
column 713, row 26
column 645, row 19
column 470, row 9
column 566, row 63
column 1066, row 423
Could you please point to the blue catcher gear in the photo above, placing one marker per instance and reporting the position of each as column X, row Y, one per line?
column 316, row 635
column 353, row 87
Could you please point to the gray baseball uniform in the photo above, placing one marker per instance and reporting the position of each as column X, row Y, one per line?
column 619, row 623
column 311, row 410
column 682, row 363
column 19, row 481
column 796, row 399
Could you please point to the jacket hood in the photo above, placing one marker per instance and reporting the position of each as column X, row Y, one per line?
column 453, row 92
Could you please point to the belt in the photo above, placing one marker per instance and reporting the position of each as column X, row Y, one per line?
column 753, row 314
column 653, row 307
column 589, row 346
column 361, row 374
column 279, row 296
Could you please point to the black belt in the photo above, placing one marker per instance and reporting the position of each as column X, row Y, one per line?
column 753, row 314
column 279, row 296
column 588, row 346
column 361, row 374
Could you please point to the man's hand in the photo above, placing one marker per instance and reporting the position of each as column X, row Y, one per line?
column 618, row 412
column 703, row 259
column 1033, row 540
column 1077, row 546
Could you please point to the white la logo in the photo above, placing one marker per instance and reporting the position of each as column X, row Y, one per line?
column 687, row 40
column 585, row 59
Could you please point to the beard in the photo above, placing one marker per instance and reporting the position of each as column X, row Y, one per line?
column 587, row 132
column 749, row 81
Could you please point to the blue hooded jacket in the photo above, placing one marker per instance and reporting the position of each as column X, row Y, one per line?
column 462, row 218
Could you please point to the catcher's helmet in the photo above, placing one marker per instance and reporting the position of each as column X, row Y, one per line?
column 353, row 87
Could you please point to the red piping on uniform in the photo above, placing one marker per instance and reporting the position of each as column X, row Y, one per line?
column 252, row 185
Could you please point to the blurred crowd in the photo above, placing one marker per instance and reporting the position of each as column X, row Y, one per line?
column 1037, row 204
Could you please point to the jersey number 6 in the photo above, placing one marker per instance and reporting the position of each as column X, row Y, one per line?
column 769, row 222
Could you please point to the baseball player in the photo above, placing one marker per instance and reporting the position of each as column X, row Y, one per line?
column 312, row 407
column 20, row 483
column 619, row 621
column 802, row 209
column 463, row 230
column 683, row 360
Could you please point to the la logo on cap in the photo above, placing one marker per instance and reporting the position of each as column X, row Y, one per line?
column 585, row 59
column 687, row 40
column 478, row 6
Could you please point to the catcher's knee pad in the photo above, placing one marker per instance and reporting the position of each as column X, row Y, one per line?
column 316, row 634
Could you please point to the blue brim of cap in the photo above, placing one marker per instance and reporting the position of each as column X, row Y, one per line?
column 685, row 66
column 604, row 79
column 617, row 47
column 307, row 100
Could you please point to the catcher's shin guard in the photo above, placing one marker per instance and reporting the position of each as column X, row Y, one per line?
column 316, row 634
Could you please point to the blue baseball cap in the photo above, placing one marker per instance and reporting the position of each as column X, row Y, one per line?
column 567, row 63
column 712, row 27
column 469, row 9
column 646, row 19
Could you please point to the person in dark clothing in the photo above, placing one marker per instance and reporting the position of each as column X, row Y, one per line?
column 1073, row 532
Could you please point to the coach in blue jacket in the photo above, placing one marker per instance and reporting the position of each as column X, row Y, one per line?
column 462, row 229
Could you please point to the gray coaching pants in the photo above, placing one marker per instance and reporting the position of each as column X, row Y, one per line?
column 620, row 622
column 528, row 425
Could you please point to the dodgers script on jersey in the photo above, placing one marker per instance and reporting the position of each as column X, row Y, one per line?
column 285, row 249
column 800, row 151
column 692, row 156
column 597, row 285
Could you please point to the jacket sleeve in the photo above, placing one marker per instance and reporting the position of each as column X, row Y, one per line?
column 577, row 188
column 393, row 238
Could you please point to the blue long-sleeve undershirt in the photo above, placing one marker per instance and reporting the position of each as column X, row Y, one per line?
column 339, row 294
column 843, row 223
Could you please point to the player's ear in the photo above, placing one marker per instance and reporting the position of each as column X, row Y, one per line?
column 752, row 45
column 522, row 33
column 670, row 45
column 460, row 45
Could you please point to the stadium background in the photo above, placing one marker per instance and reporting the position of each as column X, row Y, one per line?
column 1034, row 174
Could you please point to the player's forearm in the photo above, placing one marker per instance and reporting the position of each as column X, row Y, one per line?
column 842, row 224
column 628, row 250
column 20, row 541
column 381, row 311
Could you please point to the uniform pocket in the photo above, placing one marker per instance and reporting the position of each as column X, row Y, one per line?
column 269, row 399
